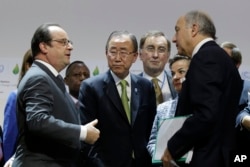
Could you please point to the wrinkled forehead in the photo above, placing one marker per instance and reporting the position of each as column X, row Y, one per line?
column 180, row 22
column 156, row 40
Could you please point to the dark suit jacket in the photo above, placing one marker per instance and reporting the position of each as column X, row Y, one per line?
column 118, row 138
column 169, row 82
column 211, row 93
column 48, row 121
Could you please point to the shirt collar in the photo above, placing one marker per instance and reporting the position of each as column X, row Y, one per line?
column 117, row 79
column 198, row 46
column 159, row 77
column 50, row 67
column 74, row 99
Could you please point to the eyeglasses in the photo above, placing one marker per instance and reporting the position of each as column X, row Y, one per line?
column 65, row 42
column 160, row 50
column 122, row 53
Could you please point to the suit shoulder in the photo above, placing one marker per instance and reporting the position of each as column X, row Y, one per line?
column 95, row 80
column 140, row 79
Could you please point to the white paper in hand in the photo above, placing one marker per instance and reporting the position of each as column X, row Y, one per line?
column 167, row 128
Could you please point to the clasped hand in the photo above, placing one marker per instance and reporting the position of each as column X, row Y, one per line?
column 92, row 132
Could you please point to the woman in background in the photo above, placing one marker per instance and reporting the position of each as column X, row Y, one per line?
column 10, row 130
column 178, row 66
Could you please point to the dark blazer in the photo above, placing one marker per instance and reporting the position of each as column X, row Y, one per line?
column 211, row 94
column 169, row 82
column 48, row 121
column 118, row 138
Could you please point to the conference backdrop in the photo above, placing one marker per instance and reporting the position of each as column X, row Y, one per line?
column 89, row 23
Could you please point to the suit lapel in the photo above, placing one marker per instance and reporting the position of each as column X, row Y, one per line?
column 135, row 96
column 111, row 91
column 73, row 106
column 51, row 75
column 65, row 94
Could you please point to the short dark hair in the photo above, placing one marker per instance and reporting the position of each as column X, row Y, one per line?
column 42, row 34
column 177, row 58
column 71, row 64
column 236, row 56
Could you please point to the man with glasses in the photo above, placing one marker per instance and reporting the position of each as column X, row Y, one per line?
column 154, row 54
column 49, row 124
column 123, row 103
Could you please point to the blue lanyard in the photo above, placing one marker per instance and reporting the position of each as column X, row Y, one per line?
column 164, row 79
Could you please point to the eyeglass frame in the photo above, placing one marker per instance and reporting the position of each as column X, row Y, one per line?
column 151, row 49
column 122, row 53
column 64, row 41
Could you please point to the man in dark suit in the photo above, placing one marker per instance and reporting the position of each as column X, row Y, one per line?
column 75, row 73
column 154, row 53
column 48, row 121
column 210, row 93
column 124, row 135
column 242, row 119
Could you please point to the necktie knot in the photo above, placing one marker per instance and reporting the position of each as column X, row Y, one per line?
column 155, row 81
column 123, row 84
column 60, row 77
column 158, row 93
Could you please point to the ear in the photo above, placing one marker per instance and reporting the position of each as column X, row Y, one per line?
column 140, row 54
column 195, row 29
column 107, row 56
column 135, row 56
column 43, row 47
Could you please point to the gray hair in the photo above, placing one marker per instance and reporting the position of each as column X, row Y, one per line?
column 206, row 25
column 120, row 33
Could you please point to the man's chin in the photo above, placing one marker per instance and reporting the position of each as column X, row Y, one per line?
column 155, row 69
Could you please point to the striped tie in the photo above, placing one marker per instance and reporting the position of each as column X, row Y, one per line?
column 158, row 93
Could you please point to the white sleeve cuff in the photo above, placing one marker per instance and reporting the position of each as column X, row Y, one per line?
column 83, row 133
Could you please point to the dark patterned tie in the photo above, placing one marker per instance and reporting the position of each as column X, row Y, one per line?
column 158, row 93
column 60, row 82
